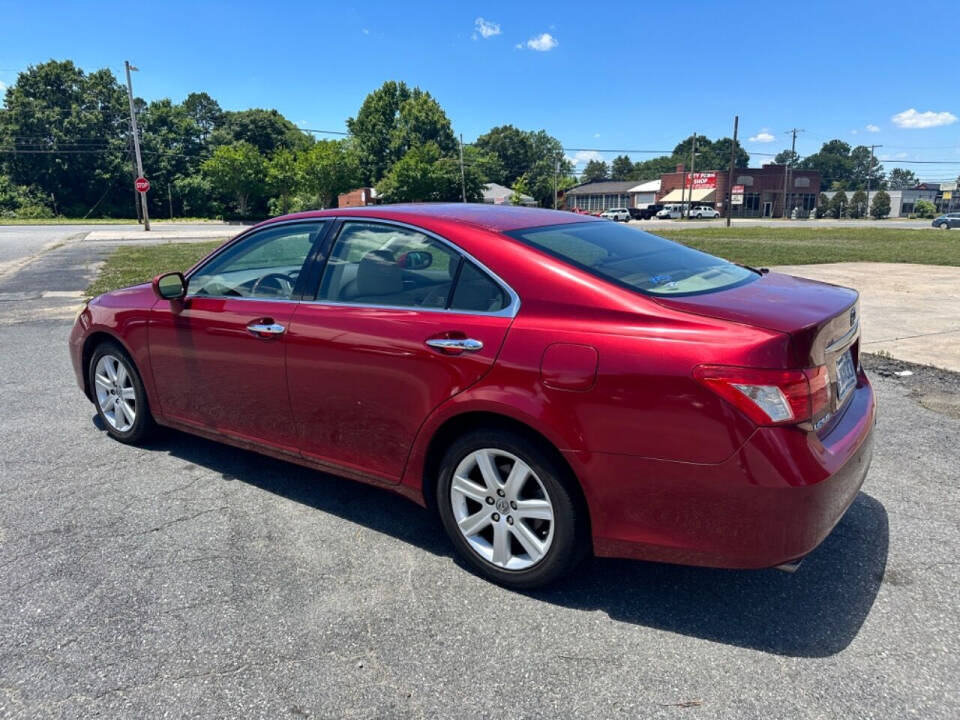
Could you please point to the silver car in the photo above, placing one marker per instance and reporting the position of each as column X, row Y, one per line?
column 617, row 214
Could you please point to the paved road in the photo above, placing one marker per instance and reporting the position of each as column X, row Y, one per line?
column 190, row 579
column 18, row 243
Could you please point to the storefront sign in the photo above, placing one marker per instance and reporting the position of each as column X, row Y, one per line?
column 702, row 181
column 737, row 190
column 736, row 199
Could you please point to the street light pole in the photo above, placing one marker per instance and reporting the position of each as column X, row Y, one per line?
column 136, row 143
column 463, row 177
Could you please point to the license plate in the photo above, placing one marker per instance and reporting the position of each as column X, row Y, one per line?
column 846, row 376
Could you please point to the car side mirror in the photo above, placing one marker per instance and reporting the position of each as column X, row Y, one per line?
column 170, row 286
column 416, row 260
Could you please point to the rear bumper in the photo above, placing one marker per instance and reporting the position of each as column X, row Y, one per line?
column 773, row 501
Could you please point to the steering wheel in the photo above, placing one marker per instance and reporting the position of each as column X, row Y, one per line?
column 275, row 284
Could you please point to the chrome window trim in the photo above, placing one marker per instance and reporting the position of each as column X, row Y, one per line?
column 510, row 311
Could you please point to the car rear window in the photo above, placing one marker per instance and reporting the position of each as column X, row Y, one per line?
column 635, row 259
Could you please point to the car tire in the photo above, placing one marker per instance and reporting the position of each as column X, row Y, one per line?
column 944, row 226
column 119, row 380
column 699, row 216
column 488, row 528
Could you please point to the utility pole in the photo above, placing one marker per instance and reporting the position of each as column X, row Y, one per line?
column 870, row 170
column 556, row 172
column 693, row 170
column 463, row 178
column 136, row 143
column 733, row 162
column 786, row 170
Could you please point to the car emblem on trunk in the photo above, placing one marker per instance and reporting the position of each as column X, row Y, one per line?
column 853, row 315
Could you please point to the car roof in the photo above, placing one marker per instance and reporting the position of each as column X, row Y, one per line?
column 498, row 218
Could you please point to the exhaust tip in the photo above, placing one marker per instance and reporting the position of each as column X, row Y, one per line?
column 789, row 567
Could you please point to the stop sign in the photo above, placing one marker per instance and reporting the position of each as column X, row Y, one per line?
column 142, row 184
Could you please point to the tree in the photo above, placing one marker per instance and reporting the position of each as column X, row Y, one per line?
column 171, row 143
column 485, row 164
column 595, row 170
column 901, row 179
column 73, row 129
column 880, row 207
column 823, row 205
column 327, row 169
column 839, row 204
column 832, row 162
column 718, row 157
column 787, row 157
column 424, row 175
column 372, row 129
column 283, row 178
column 621, row 168
column 547, row 167
column 513, row 148
column 421, row 120
column 205, row 112
column 520, row 188
column 237, row 171
column 655, row 167
column 267, row 130
column 858, row 205
column 865, row 167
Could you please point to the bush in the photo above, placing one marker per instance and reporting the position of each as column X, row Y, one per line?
column 880, row 207
column 839, row 204
column 858, row 205
column 924, row 209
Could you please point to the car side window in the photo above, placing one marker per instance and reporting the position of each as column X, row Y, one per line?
column 380, row 264
column 266, row 264
column 477, row 292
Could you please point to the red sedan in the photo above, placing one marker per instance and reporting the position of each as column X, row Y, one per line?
column 551, row 384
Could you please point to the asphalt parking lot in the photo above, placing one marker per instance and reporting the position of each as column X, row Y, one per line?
column 191, row 579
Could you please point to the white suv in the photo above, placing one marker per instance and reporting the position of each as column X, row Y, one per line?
column 703, row 211
column 618, row 214
column 671, row 212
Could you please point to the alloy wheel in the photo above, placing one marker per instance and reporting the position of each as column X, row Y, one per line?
column 502, row 509
column 116, row 396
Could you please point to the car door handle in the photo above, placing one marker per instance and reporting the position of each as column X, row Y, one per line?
column 266, row 329
column 455, row 345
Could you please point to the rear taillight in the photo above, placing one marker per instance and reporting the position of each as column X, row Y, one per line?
column 770, row 397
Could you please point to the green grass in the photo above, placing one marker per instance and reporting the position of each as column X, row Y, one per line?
column 129, row 265
column 765, row 246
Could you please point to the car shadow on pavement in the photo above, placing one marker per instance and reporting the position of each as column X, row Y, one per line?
column 815, row 612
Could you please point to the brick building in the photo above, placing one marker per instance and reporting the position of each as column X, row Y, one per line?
column 357, row 198
column 762, row 190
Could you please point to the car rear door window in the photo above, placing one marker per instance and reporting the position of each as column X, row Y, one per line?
column 382, row 264
column 477, row 292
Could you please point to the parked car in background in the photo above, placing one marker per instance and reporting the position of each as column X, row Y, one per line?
column 703, row 211
column 670, row 212
column 945, row 222
column 550, row 384
column 645, row 213
column 616, row 214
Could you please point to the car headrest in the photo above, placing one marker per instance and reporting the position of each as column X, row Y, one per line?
column 379, row 274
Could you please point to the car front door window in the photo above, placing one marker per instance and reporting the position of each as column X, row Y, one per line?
column 265, row 265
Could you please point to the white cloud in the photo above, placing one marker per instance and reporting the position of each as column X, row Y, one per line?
column 872, row 128
column 596, row 135
column 365, row 31
column 485, row 28
column 761, row 137
column 542, row 43
column 914, row 120
column 582, row 157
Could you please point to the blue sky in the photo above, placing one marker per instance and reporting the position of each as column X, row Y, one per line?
column 631, row 75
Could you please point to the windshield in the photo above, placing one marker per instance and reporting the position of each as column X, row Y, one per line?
column 636, row 259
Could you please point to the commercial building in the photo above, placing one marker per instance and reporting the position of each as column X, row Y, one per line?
column 758, row 192
column 901, row 201
column 600, row 195
column 358, row 198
